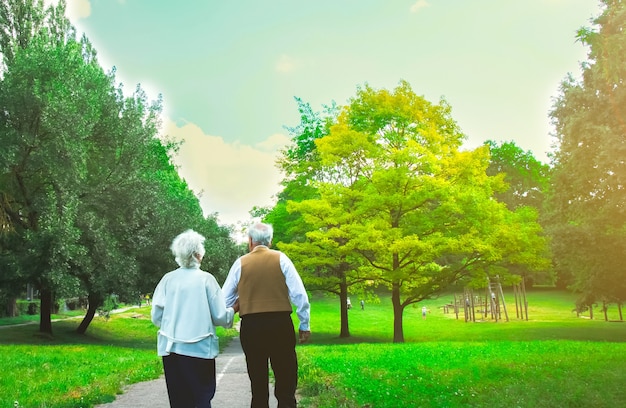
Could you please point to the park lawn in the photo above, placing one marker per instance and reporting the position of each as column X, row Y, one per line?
column 71, row 370
column 7, row 321
column 555, row 359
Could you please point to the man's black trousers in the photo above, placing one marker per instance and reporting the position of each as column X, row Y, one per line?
column 270, row 337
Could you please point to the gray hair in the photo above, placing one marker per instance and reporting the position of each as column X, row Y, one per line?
column 186, row 246
column 261, row 234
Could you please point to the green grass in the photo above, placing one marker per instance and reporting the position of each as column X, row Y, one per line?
column 22, row 319
column 71, row 370
column 555, row 359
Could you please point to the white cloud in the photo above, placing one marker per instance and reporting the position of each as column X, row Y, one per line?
column 285, row 64
column 75, row 9
column 231, row 178
column 274, row 143
column 419, row 4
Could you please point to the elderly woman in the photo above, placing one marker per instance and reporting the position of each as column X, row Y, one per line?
column 187, row 305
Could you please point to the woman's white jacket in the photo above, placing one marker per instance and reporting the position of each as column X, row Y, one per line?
column 186, row 306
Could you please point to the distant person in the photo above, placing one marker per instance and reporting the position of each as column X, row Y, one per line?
column 362, row 304
column 349, row 303
column 186, row 306
column 266, row 284
column 424, row 310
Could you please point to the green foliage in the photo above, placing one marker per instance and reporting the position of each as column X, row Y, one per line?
column 87, row 189
column 527, row 178
column 399, row 204
column 109, row 304
column 527, row 181
column 49, row 95
column 297, row 162
column 586, row 205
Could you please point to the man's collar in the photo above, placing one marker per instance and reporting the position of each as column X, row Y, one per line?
column 260, row 247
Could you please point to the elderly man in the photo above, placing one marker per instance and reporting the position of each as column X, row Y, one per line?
column 265, row 284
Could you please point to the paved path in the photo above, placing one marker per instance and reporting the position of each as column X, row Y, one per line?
column 233, row 385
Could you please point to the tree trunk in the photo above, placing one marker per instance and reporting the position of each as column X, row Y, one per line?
column 45, row 321
column 94, row 302
column 343, row 299
column 11, row 307
column 398, row 332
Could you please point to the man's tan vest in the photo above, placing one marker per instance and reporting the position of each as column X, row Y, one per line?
column 262, row 287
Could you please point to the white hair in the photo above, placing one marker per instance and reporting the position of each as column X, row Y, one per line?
column 261, row 234
column 186, row 246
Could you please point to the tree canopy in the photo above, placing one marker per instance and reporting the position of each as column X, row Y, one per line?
column 587, row 212
column 526, row 177
column 89, row 198
column 401, row 205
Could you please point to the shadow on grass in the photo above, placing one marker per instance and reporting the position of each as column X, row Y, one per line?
column 129, row 330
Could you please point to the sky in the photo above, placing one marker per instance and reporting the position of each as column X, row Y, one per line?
column 228, row 72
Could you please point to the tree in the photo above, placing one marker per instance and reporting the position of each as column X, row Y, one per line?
column 20, row 22
column 88, row 190
column 123, row 151
column 47, row 96
column 298, row 163
column 326, row 265
column 416, row 209
column 328, row 254
column 587, row 203
column 527, row 182
column 527, row 178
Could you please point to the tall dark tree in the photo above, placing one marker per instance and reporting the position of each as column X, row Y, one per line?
column 527, row 180
column 121, row 151
column 526, row 177
column 47, row 94
column 588, row 199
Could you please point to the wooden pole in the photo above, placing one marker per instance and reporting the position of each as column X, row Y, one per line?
column 472, row 305
column 506, row 314
column 524, row 297
column 518, row 303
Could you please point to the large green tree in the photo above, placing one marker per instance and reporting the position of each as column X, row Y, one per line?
column 49, row 94
column 588, row 199
column 122, row 150
column 415, row 208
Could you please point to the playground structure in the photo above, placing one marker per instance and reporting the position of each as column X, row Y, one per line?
column 490, row 304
